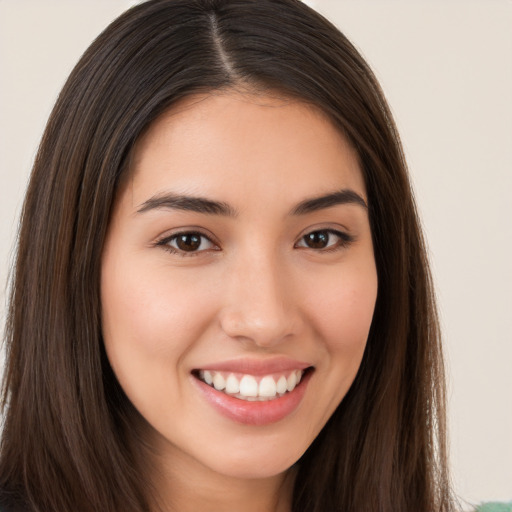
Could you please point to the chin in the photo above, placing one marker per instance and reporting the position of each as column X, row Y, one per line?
column 255, row 469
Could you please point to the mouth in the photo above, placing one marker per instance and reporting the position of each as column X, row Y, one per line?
column 254, row 392
column 252, row 388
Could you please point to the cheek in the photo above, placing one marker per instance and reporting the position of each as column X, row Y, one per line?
column 343, row 308
column 340, row 312
column 150, row 317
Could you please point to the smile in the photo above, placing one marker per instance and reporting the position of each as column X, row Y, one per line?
column 254, row 393
column 251, row 387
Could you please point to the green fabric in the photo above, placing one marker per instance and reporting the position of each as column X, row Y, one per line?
column 495, row 507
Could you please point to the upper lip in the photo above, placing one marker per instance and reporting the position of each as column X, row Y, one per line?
column 253, row 366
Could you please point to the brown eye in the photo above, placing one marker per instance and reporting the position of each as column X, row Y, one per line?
column 324, row 239
column 187, row 242
column 317, row 239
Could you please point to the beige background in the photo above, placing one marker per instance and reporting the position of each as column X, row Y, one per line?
column 446, row 67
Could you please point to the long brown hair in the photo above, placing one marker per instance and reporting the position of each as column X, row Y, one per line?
column 69, row 439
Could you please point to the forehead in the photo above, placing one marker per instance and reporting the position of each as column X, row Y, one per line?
column 232, row 146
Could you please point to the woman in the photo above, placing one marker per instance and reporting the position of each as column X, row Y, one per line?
column 221, row 298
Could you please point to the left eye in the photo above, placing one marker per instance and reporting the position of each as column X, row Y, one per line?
column 324, row 239
column 188, row 242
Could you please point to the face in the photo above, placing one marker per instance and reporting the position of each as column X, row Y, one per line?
column 238, row 281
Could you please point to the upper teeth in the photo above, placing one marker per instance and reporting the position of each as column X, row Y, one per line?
column 247, row 387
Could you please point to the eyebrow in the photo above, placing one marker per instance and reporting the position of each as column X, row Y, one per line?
column 345, row 196
column 208, row 206
column 190, row 203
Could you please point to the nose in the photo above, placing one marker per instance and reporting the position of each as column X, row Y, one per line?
column 260, row 306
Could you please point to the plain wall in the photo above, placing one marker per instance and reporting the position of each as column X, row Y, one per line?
column 446, row 68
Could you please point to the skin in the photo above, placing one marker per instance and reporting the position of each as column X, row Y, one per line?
column 255, row 290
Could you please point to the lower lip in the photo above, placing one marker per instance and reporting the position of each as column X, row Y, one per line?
column 255, row 413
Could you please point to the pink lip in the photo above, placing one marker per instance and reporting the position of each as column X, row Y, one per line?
column 257, row 366
column 254, row 413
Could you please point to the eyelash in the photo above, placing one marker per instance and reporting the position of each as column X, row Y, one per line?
column 344, row 240
column 164, row 243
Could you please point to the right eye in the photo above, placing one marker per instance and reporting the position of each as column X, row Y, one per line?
column 187, row 243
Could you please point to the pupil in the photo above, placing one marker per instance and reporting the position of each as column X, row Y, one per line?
column 317, row 240
column 188, row 242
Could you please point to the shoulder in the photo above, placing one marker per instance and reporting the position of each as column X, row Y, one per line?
column 493, row 507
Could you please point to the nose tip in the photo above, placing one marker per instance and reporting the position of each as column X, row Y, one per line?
column 264, row 330
column 260, row 309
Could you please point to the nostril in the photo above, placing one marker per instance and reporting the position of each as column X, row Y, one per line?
column 262, row 328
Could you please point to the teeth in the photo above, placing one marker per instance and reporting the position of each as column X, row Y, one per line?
column 207, row 376
column 282, row 384
column 267, row 386
column 232, row 385
column 291, row 382
column 219, row 383
column 248, row 388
